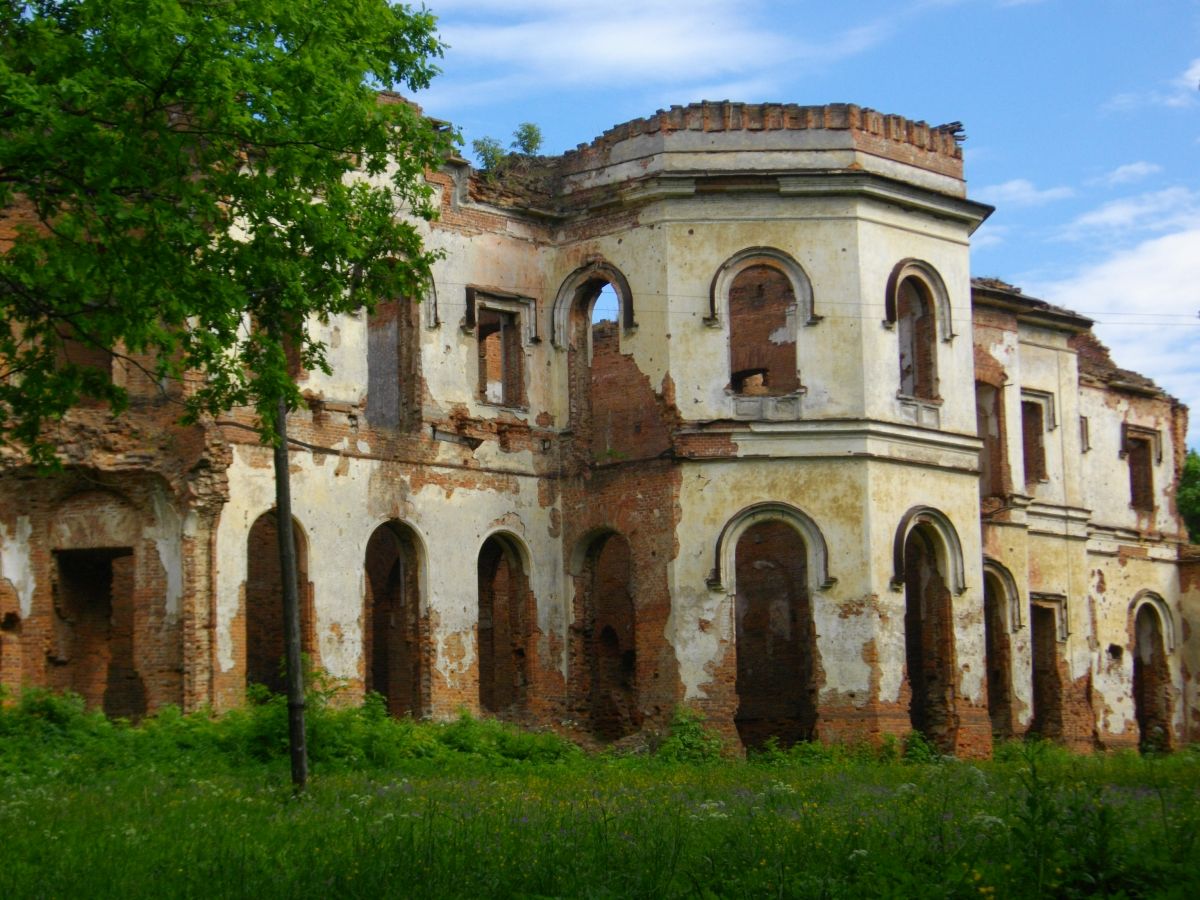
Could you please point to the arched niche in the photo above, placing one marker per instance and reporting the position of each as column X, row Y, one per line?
column 1153, row 692
column 1159, row 607
column 948, row 546
column 724, row 573
column 583, row 286
column 604, row 624
column 722, row 281
column 1000, row 619
column 393, row 646
column 577, row 561
column 507, row 620
column 265, row 636
column 1010, row 595
column 513, row 544
column 934, row 286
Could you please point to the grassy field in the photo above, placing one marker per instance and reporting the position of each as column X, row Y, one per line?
column 195, row 807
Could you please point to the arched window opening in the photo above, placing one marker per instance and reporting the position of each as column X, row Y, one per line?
column 774, row 637
column 392, row 620
column 998, row 655
column 762, row 339
column 606, row 307
column 265, row 640
column 608, row 632
column 916, row 327
column 506, row 620
column 614, row 412
column 1151, row 681
column 929, row 640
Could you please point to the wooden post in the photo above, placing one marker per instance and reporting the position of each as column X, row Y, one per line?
column 297, row 742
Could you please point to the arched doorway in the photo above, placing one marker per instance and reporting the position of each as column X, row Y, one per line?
column 506, row 621
column 928, row 640
column 997, row 603
column 265, row 642
column 1151, row 680
column 608, row 625
column 392, row 624
column 774, row 636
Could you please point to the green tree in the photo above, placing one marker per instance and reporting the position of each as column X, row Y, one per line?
column 192, row 181
column 1187, row 496
column 527, row 139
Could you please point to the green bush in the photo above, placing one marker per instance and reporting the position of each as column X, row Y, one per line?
column 688, row 740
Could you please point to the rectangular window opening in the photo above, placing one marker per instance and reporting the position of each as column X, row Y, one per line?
column 1033, row 432
column 1140, row 455
column 501, row 360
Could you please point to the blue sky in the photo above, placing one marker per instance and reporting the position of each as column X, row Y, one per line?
column 1082, row 119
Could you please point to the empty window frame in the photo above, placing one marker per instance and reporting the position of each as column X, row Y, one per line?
column 502, row 324
column 393, row 365
column 1037, row 417
column 1142, row 448
column 916, row 327
column 762, row 340
column 501, row 362
column 989, row 421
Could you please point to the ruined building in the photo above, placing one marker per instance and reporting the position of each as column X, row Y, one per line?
column 802, row 474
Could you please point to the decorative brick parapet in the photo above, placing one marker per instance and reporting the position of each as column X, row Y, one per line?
column 931, row 147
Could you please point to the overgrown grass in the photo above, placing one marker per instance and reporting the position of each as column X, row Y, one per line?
column 194, row 806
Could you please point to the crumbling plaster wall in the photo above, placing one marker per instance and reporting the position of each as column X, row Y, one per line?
column 859, row 619
column 886, row 236
column 1188, row 642
column 832, row 494
column 637, row 251
column 132, row 512
column 15, row 561
column 1115, row 583
column 1057, row 566
column 338, row 501
column 1049, row 366
column 1105, row 468
column 817, row 234
column 893, row 489
column 998, row 363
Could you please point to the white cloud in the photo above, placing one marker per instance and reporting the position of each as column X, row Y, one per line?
column 1180, row 92
column 1021, row 192
column 1165, row 210
column 1145, row 301
column 618, row 42
column 698, row 49
column 989, row 235
column 1128, row 173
